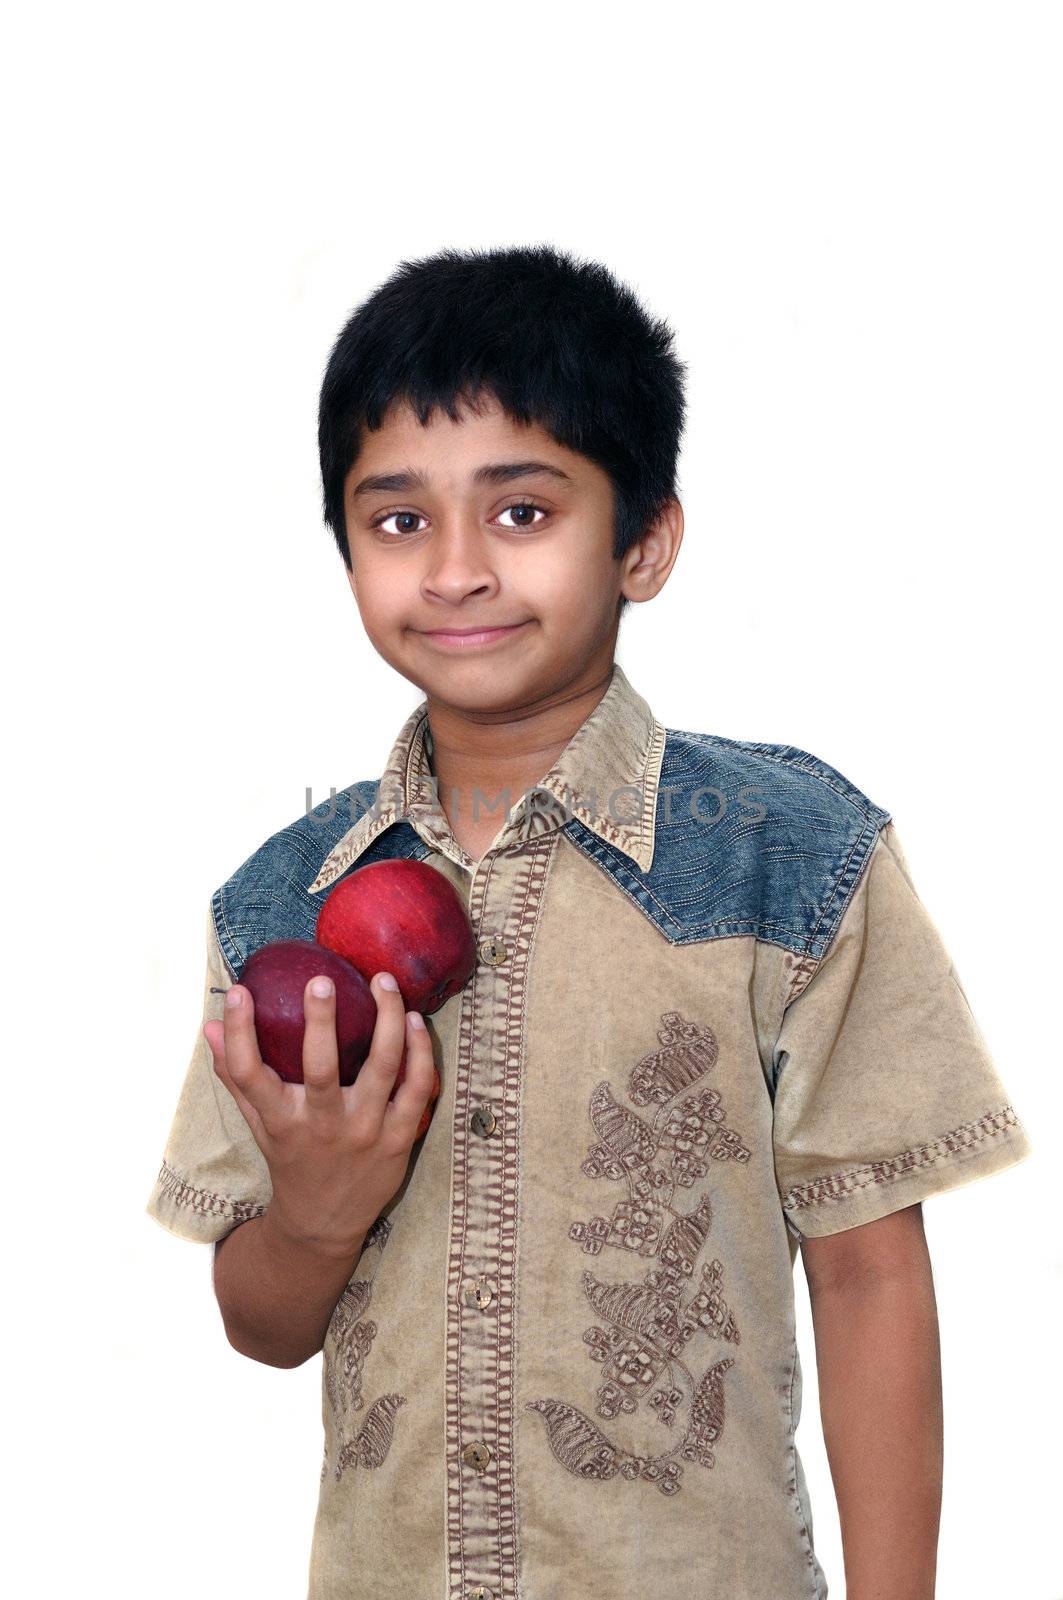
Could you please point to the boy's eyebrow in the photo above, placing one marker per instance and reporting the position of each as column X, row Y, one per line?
column 493, row 472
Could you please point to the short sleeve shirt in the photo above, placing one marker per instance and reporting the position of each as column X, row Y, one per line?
column 565, row 1361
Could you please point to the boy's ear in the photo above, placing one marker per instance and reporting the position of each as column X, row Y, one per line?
column 652, row 559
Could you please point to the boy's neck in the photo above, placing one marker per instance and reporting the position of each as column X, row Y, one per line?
column 494, row 757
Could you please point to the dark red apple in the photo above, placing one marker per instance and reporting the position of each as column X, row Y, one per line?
column 406, row 918
column 277, row 975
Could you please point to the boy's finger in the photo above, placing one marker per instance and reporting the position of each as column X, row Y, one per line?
column 321, row 1057
column 216, row 1040
column 376, row 1076
column 414, row 1093
column 243, row 1063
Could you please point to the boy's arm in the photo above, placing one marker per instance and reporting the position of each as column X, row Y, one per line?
column 337, row 1155
column 878, row 1361
column 885, row 1094
column 276, row 1293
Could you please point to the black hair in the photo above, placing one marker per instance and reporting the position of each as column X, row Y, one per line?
column 558, row 341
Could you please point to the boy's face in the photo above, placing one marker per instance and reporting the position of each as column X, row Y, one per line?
column 455, row 552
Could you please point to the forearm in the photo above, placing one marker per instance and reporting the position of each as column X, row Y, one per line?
column 275, row 1294
column 878, row 1358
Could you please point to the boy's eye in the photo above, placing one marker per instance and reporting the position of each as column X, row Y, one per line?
column 406, row 517
column 525, row 505
column 403, row 516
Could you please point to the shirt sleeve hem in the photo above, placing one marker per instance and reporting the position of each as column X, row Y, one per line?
column 195, row 1213
column 847, row 1200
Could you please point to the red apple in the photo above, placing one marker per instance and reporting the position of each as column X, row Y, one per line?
column 406, row 918
column 277, row 975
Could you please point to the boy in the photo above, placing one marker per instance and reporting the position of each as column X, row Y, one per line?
column 710, row 1020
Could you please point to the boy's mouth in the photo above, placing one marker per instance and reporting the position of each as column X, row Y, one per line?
column 468, row 638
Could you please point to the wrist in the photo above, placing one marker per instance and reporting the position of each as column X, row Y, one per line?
column 289, row 1235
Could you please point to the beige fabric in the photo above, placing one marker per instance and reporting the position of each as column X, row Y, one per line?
column 213, row 1175
column 886, row 1090
column 565, row 1363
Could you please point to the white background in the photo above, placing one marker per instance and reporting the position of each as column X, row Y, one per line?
column 851, row 217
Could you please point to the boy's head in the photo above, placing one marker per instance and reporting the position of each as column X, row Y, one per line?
column 472, row 360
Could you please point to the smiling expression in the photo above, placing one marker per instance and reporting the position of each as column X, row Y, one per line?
column 483, row 524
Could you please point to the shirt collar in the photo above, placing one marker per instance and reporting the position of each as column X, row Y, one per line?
column 607, row 776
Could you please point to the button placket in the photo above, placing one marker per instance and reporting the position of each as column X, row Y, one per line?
column 482, row 1541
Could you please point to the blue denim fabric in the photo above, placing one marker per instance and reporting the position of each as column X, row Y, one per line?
column 751, row 839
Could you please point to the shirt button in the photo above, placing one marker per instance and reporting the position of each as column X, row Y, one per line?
column 482, row 1121
column 481, row 1592
column 493, row 951
column 480, row 1293
column 476, row 1455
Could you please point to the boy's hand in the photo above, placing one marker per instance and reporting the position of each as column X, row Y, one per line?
column 336, row 1153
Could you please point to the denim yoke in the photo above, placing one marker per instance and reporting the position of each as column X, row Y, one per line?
column 751, row 838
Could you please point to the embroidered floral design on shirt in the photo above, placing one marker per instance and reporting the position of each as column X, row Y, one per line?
column 379, row 1234
column 342, row 1379
column 644, row 1346
column 354, row 1340
column 373, row 1439
column 802, row 970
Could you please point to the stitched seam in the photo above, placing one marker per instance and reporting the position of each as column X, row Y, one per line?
column 795, row 1497
column 658, row 738
column 744, row 927
column 852, row 889
column 205, row 1202
column 217, row 905
column 839, row 1186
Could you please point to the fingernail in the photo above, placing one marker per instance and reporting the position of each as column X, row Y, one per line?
column 416, row 1019
column 322, row 987
column 232, row 997
column 387, row 981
